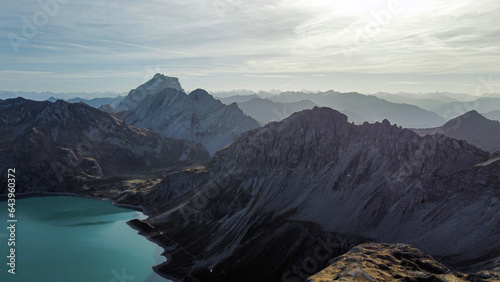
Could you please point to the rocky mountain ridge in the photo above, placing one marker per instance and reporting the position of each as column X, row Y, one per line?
column 54, row 146
column 264, row 200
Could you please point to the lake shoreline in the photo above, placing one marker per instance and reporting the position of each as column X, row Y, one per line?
column 131, row 223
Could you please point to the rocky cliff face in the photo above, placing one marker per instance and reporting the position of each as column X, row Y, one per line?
column 260, row 207
column 196, row 117
column 52, row 145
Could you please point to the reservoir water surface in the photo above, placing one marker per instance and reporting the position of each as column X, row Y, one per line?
column 64, row 238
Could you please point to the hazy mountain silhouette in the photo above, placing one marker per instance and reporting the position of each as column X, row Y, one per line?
column 471, row 127
column 367, row 108
column 493, row 115
column 482, row 105
column 237, row 98
column 429, row 101
column 53, row 96
column 265, row 110
column 95, row 102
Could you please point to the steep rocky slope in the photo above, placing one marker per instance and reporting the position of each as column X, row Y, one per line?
column 57, row 146
column 262, row 205
column 385, row 262
column 471, row 127
column 196, row 117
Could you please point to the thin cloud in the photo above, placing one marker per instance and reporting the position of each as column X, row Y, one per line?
column 256, row 40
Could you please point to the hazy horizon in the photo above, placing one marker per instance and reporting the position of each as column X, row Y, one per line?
column 219, row 45
column 228, row 93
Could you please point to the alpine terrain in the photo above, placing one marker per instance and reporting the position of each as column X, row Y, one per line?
column 260, row 207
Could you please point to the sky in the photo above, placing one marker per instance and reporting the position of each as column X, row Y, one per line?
column 356, row 45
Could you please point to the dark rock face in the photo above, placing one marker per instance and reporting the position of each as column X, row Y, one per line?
column 196, row 117
column 473, row 128
column 385, row 262
column 261, row 202
column 55, row 145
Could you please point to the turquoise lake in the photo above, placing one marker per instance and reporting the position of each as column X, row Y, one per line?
column 64, row 238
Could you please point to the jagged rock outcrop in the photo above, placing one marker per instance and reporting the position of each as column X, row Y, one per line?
column 52, row 146
column 471, row 127
column 196, row 117
column 257, row 210
column 386, row 262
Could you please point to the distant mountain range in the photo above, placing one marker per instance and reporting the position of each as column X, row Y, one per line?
column 265, row 110
column 471, row 127
column 95, row 102
column 161, row 105
column 244, row 92
column 360, row 108
column 42, row 96
column 445, row 105
column 493, row 115
column 310, row 197
column 482, row 105
column 238, row 98
column 429, row 101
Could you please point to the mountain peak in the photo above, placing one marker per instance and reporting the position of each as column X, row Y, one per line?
column 470, row 117
column 473, row 128
column 158, row 83
column 197, row 117
column 320, row 114
column 159, row 75
column 474, row 114
column 200, row 94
